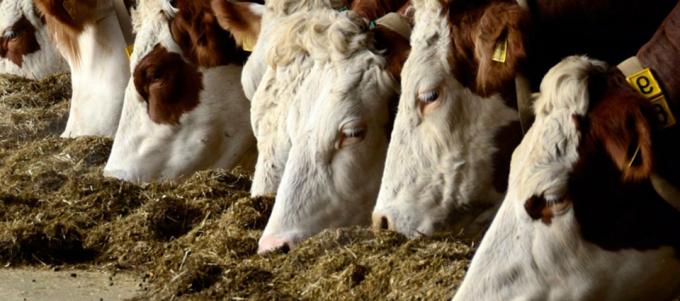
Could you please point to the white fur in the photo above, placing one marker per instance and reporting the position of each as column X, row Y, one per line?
column 41, row 63
column 439, row 173
column 99, row 74
column 275, row 12
column 323, row 73
column 215, row 134
column 521, row 259
column 280, row 82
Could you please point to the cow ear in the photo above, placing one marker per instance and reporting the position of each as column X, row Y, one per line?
column 396, row 48
column 241, row 19
column 620, row 124
column 500, row 46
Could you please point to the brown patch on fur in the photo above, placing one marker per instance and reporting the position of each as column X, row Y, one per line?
column 476, row 28
column 238, row 19
column 661, row 54
column 505, row 139
column 374, row 9
column 23, row 41
column 196, row 30
column 169, row 85
column 619, row 123
column 66, row 19
column 617, row 207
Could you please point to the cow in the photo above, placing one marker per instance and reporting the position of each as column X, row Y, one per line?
column 582, row 219
column 25, row 46
column 593, row 206
column 271, row 161
column 184, row 107
column 89, row 35
column 458, row 120
column 338, row 81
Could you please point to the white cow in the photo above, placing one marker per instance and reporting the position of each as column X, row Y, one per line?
column 581, row 219
column 442, row 163
column 89, row 36
column 264, row 115
column 328, row 91
column 184, row 107
column 25, row 46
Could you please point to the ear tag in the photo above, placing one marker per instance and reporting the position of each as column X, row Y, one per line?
column 128, row 50
column 248, row 44
column 645, row 83
column 372, row 25
column 500, row 54
column 663, row 111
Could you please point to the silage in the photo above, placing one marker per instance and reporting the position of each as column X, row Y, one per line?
column 192, row 239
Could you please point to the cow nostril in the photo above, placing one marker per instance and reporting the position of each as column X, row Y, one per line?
column 285, row 248
column 381, row 222
column 384, row 223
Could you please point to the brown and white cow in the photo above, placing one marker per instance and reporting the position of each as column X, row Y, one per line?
column 593, row 205
column 184, row 107
column 89, row 36
column 333, row 83
column 25, row 46
column 457, row 122
column 582, row 220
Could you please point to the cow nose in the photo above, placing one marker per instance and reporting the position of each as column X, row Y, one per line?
column 382, row 222
column 271, row 243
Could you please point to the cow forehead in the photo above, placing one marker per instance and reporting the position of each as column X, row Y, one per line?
column 430, row 43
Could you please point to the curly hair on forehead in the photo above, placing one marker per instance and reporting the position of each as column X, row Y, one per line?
column 288, row 7
column 324, row 35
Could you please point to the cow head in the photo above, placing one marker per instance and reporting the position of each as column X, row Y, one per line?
column 332, row 90
column 581, row 219
column 89, row 36
column 25, row 46
column 184, row 108
column 269, row 169
column 456, row 125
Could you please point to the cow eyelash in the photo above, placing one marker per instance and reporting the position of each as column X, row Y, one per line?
column 429, row 96
column 10, row 34
column 353, row 132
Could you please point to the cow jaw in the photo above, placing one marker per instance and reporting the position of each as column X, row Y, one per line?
column 31, row 54
column 542, row 255
column 439, row 169
column 99, row 74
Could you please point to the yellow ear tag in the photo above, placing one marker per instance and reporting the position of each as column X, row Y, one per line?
column 500, row 54
column 249, row 44
column 645, row 83
column 128, row 50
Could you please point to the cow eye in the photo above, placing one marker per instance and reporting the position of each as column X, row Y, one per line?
column 351, row 133
column 428, row 100
column 10, row 34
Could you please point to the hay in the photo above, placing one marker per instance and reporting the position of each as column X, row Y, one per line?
column 194, row 239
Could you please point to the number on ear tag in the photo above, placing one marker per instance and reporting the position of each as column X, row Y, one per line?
column 664, row 114
column 500, row 54
column 645, row 83
column 128, row 50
